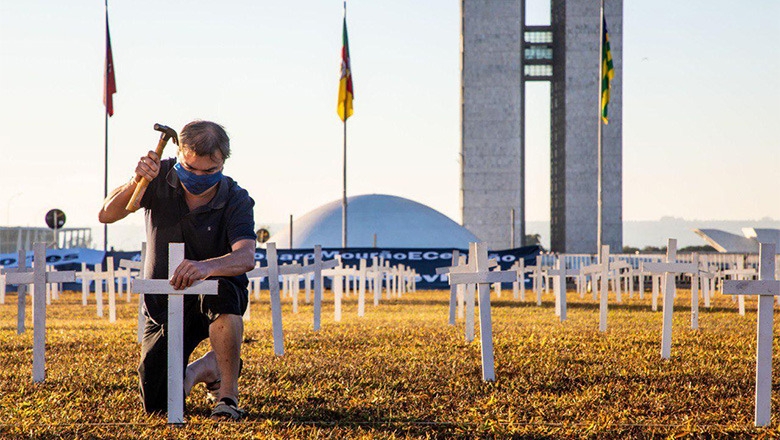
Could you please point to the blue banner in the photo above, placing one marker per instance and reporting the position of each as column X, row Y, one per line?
column 423, row 261
column 62, row 259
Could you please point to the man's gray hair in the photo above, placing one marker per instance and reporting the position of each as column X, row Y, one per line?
column 205, row 138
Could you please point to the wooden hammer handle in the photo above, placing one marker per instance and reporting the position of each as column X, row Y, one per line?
column 134, row 203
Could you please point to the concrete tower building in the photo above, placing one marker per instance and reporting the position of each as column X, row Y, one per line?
column 500, row 53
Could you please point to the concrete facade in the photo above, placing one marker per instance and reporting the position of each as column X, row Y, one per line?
column 492, row 156
column 574, row 122
column 491, row 146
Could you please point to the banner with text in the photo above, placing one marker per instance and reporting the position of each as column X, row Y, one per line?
column 423, row 261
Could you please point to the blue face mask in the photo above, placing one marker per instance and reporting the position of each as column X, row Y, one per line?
column 196, row 184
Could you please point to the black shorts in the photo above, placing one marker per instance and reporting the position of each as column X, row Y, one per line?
column 199, row 312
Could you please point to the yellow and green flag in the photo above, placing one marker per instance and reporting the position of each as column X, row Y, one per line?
column 346, row 93
column 607, row 71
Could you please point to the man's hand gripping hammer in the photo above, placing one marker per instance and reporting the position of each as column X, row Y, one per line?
column 167, row 133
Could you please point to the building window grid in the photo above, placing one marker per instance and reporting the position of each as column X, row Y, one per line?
column 538, row 70
column 538, row 36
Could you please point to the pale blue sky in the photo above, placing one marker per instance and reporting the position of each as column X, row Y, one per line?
column 701, row 103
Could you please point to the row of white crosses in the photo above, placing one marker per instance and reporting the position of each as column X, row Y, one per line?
column 38, row 277
column 113, row 280
column 399, row 279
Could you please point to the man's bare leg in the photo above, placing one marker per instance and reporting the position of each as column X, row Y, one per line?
column 226, row 334
column 202, row 370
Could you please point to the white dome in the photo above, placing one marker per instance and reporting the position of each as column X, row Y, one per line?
column 397, row 223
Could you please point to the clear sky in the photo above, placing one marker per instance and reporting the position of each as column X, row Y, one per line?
column 701, row 103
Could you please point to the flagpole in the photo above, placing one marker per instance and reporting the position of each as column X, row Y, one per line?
column 344, row 192
column 600, row 184
column 105, row 136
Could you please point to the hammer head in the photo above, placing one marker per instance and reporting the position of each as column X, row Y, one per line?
column 168, row 133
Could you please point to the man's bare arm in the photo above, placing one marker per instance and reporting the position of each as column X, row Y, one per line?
column 114, row 205
column 238, row 262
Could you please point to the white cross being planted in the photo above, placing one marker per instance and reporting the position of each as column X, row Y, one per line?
column 175, row 325
column 38, row 278
column 766, row 287
column 483, row 278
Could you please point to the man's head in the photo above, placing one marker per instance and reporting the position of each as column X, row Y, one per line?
column 203, row 148
column 205, row 138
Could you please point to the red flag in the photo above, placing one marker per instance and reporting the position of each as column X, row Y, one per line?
column 109, row 83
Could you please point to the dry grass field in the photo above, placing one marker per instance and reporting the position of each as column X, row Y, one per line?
column 403, row 372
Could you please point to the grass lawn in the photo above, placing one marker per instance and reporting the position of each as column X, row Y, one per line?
column 401, row 371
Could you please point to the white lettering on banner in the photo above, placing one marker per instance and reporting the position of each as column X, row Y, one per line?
column 285, row 257
column 415, row 256
column 347, row 256
column 329, row 254
column 445, row 256
column 430, row 256
column 57, row 257
column 508, row 258
column 399, row 256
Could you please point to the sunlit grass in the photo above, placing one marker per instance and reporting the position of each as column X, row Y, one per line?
column 402, row 371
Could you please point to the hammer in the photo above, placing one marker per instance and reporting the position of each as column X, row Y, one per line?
column 167, row 133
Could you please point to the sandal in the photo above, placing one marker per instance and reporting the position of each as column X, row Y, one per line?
column 212, row 388
column 227, row 411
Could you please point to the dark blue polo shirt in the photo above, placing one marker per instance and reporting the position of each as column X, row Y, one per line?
column 207, row 232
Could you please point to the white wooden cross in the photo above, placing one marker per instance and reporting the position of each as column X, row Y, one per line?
column 39, row 277
column 21, row 291
column 175, row 326
column 273, row 271
column 52, row 289
column 338, row 275
column 602, row 270
column 559, row 275
column 461, row 299
column 98, row 275
column 453, row 287
column 669, row 268
column 739, row 273
column 108, row 275
column 316, row 268
column 139, row 266
column 617, row 267
column 376, row 274
column 361, row 280
column 538, row 277
column 128, row 269
column 766, row 287
column 482, row 277
column 467, row 297
column 2, row 285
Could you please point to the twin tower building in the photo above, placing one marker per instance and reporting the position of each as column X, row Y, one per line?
column 500, row 53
